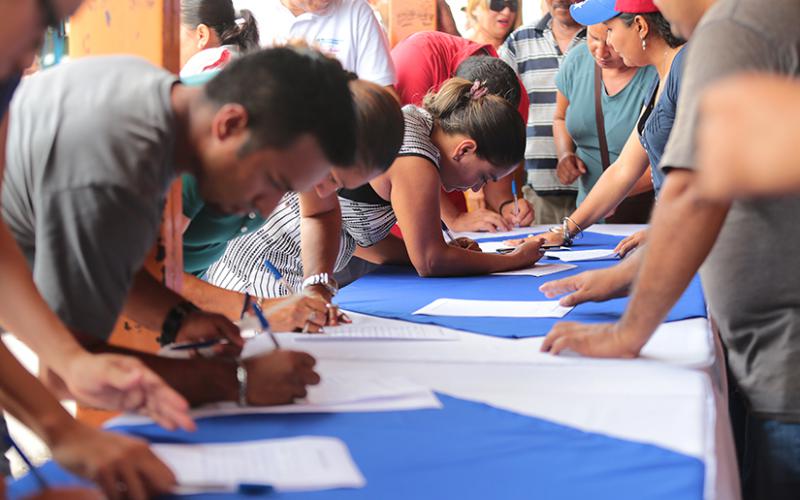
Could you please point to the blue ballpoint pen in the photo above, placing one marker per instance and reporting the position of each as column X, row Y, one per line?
column 246, row 305
column 188, row 346
column 516, row 199
column 265, row 324
column 278, row 276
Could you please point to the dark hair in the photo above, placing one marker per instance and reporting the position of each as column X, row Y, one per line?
column 657, row 23
column 498, row 76
column 379, row 125
column 491, row 121
column 299, row 91
column 220, row 16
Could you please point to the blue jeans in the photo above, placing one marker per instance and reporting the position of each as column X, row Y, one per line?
column 768, row 452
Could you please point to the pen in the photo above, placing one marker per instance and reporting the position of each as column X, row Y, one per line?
column 36, row 474
column 516, row 199
column 278, row 276
column 265, row 324
column 187, row 346
column 246, row 305
column 447, row 232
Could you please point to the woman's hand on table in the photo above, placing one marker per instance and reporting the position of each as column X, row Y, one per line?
column 550, row 238
column 480, row 219
column 466, row 244
column 530, row 251
column 631, row 243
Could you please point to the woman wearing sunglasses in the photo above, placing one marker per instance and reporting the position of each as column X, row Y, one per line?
column 493, row 20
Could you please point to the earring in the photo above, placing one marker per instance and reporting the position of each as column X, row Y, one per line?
column 644, row 44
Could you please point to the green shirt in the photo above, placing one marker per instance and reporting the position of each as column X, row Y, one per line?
column 575, row 80
column 209, row 231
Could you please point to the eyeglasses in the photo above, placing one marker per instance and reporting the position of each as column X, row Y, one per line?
column 499, row 5
column 50, row 17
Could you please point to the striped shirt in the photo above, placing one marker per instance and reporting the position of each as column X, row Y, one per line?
column 366, row 220
column 534, row 54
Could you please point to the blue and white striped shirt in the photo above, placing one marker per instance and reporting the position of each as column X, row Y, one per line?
column 533, row 52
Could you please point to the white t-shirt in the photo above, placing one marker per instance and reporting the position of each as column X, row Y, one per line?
column 350, row 32
column 209, row 60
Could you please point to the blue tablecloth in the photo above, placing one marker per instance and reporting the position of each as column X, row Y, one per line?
column 466, row 450
column 396, row 292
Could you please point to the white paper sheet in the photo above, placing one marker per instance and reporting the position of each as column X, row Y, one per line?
column 306, row 463
column 538, row 270
column 338, row 392
column 338, row 389
column 407, row 331
column 494, row 308
column 520, row 232
column 493, row 246
column 582, row 255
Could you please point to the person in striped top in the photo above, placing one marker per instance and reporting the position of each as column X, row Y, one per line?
column 536, row 52
column 461, row 138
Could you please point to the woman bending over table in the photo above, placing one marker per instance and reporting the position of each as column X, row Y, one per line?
column 460, row 138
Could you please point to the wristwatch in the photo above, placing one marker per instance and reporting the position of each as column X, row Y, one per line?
column 323, row 279
column 174, row 320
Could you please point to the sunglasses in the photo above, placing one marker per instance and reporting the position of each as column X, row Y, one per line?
column 499, row 5
column 50, row 18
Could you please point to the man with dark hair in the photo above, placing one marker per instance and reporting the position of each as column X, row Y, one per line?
column 423, row 62
column 87, row 173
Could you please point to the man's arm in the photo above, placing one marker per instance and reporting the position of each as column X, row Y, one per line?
column 683, row 231
column 150, row 301
column 741, row 153
column 275, row 378
column 111, row 460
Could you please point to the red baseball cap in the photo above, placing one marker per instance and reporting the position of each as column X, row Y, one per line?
column 636, row 6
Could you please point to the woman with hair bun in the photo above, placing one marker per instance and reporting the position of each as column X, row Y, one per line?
column 212, row 33
column 460, row 138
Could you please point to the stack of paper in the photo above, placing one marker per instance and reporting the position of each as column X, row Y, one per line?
column 582, row 255
column 538, row 270
column 305, row 463
column 345, row 392
column 494, row 308
column 407, row 331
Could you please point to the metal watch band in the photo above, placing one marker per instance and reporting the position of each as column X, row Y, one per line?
column 241, row 377
column 323, row 279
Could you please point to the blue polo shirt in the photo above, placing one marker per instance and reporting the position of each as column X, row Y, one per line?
column 656, row 122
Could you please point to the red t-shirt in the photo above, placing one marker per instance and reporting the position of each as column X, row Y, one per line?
column 427, row 59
